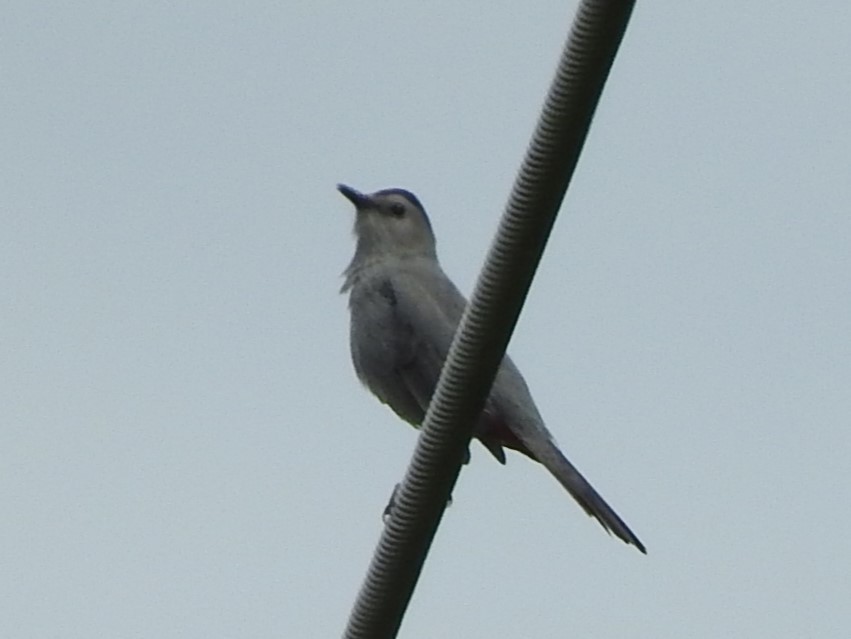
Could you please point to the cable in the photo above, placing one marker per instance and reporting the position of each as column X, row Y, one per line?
column 489, row 319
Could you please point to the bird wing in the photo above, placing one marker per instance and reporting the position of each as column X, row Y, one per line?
column 429, row 307
column 428, row 311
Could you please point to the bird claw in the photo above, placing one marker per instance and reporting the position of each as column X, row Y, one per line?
column 388, row 509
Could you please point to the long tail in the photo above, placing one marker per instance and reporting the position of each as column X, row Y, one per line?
column 536, row 442
column 548, row 454
column 529, row 436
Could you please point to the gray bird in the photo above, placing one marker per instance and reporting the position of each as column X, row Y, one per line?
column 404, row 312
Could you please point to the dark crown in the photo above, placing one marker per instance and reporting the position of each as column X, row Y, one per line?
column 403, row 193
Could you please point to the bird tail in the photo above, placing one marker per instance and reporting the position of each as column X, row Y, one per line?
column 592, row 503
column 530, row 437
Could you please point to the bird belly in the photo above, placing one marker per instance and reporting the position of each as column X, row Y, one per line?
column 375, row 356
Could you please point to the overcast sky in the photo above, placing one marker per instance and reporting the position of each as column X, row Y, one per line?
column 185, row 450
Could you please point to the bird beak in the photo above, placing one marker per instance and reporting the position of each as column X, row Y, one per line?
column 354, row 196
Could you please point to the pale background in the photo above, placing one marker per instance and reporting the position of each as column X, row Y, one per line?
column 184, row 448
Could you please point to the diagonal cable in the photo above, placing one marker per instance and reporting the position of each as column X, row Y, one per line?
column 490, row 317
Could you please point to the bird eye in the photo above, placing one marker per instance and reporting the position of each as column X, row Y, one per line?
column 397, row 209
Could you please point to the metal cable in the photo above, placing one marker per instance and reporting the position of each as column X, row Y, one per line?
column 489, row 319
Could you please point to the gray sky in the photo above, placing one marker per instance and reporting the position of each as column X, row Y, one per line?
column 184, row 448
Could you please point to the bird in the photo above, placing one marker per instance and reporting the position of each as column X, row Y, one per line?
column 404, row 311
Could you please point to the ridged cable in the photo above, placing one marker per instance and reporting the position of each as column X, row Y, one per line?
column 480, row 343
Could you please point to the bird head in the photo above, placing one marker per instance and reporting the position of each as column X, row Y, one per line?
column 390, row 223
